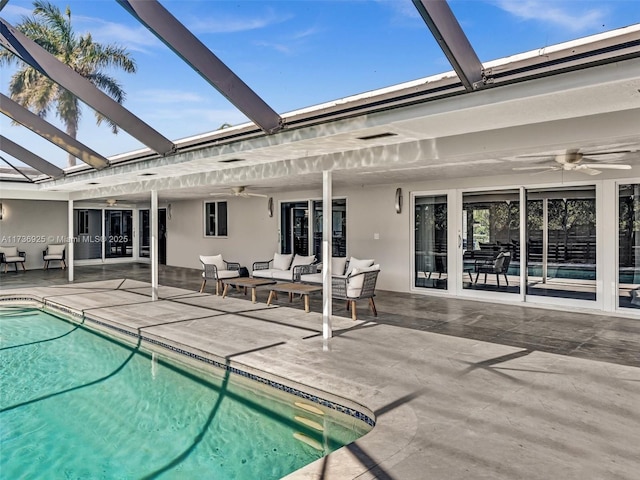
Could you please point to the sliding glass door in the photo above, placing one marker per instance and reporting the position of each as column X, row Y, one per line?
column 629, row 246
column 430, row 242
column 561, row 242
column 118, row 232
column 491, row 241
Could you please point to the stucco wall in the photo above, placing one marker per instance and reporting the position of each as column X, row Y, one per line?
column 253, row 235
column 38, row 221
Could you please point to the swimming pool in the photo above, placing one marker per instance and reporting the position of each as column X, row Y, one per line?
column 75, row 403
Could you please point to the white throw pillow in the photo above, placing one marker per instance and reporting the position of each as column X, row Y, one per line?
column 214, row 260
column 302, row 260
column 354, row 287
column 338, row 265
column 281, row 261
column 55, row 249
column 357, row 263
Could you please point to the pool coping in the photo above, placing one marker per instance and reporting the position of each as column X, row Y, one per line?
column 202, row 358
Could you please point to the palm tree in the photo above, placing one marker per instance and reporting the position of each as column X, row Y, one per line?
column 52, row 30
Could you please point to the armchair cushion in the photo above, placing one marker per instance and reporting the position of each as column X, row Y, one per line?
column 302, row 260
column 54, row 252
column 281, row 261
column 9, row 251
column 214, row 260
column 355, row 281
column 357, row 263
column 55, row 249
column 338, row 265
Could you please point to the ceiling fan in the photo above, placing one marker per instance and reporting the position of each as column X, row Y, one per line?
column 239, row 192
column 572, row 160
column 112, row 202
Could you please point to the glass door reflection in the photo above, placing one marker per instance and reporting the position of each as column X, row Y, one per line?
column 491, row 241
column 431, row 242
column 118, row 233
column 561, row 236
column 629, row 246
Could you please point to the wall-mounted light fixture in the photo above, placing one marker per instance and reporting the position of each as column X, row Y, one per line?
column 169, row 212
column 1, row 212
column 270, row 207
column 398, row 200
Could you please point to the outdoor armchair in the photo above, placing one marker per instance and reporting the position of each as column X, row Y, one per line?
column 217, row 269
column 11, row 254
column 54, row 252
column 498, row 266
column 360, row 284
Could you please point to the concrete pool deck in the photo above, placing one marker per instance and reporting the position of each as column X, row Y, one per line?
column 445, row 407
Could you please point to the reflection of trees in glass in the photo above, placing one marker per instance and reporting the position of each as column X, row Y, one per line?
column 629, row 224
column 505, row 221
column 571, row 229
column 431, row 227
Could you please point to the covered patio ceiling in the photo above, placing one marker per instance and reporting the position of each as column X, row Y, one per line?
column 581, row 96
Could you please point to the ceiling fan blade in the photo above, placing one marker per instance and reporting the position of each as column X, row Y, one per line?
column 610, row 152
column 547, row 157
column 608, row 166
column 256, row 195
column 542, row 167
column 587, row 169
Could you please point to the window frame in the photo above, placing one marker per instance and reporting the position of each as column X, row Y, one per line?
column 216, row 219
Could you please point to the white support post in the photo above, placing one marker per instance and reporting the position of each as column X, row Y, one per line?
column 70, row 243
column 154, row 245
column 327, row 248
column 524, row 265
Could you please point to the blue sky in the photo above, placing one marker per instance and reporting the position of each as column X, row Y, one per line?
column 298, row 53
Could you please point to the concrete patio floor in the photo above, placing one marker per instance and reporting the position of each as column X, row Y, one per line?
column 459, row 389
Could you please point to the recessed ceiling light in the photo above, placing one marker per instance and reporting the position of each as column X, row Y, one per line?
column 377, row 135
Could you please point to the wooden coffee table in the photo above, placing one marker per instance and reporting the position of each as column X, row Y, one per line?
column 245, row 282
column 291, row 289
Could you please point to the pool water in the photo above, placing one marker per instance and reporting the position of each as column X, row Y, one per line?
column 77, row 404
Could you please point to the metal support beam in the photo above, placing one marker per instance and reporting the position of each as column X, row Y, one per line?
column 447, row 31
column 45, row 63
column 33, row 122
column 30, row 158
column 180, row 39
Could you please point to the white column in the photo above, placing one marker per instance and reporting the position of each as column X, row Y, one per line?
column 70, row 243
column 523, row 244
column 327, row 249
column 545, row 237
column 154, row 244
column 607, row 223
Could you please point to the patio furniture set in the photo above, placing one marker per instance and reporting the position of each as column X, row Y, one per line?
column 11, row 255
column 352, row 279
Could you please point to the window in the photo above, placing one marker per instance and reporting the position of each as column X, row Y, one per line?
column 83, row 222
column 215, row 219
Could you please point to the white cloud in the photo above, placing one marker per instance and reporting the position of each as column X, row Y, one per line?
column 165, row 96
column 136, row 38
column 228, row 24
column 558, row 13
